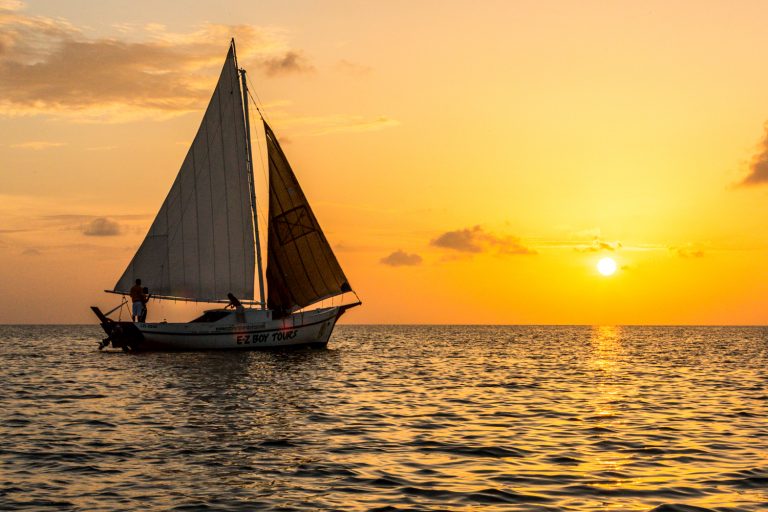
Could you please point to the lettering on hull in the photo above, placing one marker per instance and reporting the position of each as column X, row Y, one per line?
column 247, row 339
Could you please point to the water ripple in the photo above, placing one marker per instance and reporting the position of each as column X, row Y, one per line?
column 669, row 419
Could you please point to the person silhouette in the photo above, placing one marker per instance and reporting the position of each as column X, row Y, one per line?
column 137, row 297
column 145, row 294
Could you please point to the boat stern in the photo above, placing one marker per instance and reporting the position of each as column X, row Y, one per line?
column 124, row 335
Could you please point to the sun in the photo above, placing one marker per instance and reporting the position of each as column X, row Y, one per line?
column 606, row 266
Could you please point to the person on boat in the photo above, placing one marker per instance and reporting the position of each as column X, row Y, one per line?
column 137, row 298
column 145, row 299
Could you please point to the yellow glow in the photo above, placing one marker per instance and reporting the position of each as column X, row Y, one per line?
column 606, row 266
column 539, row 111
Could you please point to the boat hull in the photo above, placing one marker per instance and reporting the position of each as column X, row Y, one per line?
column 313, row 329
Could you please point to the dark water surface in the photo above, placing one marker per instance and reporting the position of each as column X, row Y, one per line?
column 391, row 418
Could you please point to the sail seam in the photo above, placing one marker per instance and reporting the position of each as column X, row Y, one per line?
column 167, row 244
column 183, row 240
column 197, row 220
column 210, row 195
column 235, row 103
column 226, row 194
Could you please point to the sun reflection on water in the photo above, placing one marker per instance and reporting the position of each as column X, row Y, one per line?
column 429, row 418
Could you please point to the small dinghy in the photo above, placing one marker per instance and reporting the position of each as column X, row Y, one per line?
column 203, row 246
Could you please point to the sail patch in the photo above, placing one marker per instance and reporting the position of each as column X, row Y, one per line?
column 293, row 224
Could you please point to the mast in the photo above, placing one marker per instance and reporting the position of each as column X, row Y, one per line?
column 251, row 182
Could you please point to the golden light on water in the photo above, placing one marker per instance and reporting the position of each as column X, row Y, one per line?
column 607, row 266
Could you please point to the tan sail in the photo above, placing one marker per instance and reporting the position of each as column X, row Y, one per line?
column 301, row 266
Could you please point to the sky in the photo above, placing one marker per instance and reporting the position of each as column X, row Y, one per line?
column 470, row 162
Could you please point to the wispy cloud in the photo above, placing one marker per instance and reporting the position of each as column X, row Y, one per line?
column 599, row 245
column 477, row 240
column 56, row 228
column 80, row 222
column 102, row 226
column 345, row 247
column 758, row 167
column 355, row 124
column 101, row 148
column 401, row 258
column 290, row 62
column 462, row 240
column 50, row 67
column 688, row 251
column 11, row 5
column 37, row 145
column 25, row 221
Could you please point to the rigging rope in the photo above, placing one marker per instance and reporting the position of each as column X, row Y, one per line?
column 125, row 301
column 255, row 104
column 262, row 218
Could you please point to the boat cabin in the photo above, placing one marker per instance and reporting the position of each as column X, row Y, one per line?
column 223, row 316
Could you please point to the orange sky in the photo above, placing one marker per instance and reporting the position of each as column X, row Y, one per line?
column 469, row 161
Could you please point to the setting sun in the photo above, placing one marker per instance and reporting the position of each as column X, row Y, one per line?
column 522, row 245
column 606, row 266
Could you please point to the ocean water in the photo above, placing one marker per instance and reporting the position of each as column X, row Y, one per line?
column 391, row 418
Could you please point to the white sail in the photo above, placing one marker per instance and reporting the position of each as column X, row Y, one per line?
column 201, row 244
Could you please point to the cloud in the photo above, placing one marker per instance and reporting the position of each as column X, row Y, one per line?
column 50, row 67
column 37, row 145
column 101, row 148
column 688, row 251
column 758, row 168
column 401, row 259
column 11, row 5
column 354, row 124
column 20, row 215
column 31, row 251
column 101, row 226
column 463, row 240
column 598, row 245
column 290, row 62
column 344, row 247
column 477, row 240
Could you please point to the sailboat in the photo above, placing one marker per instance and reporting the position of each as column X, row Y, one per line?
column 204, row 246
